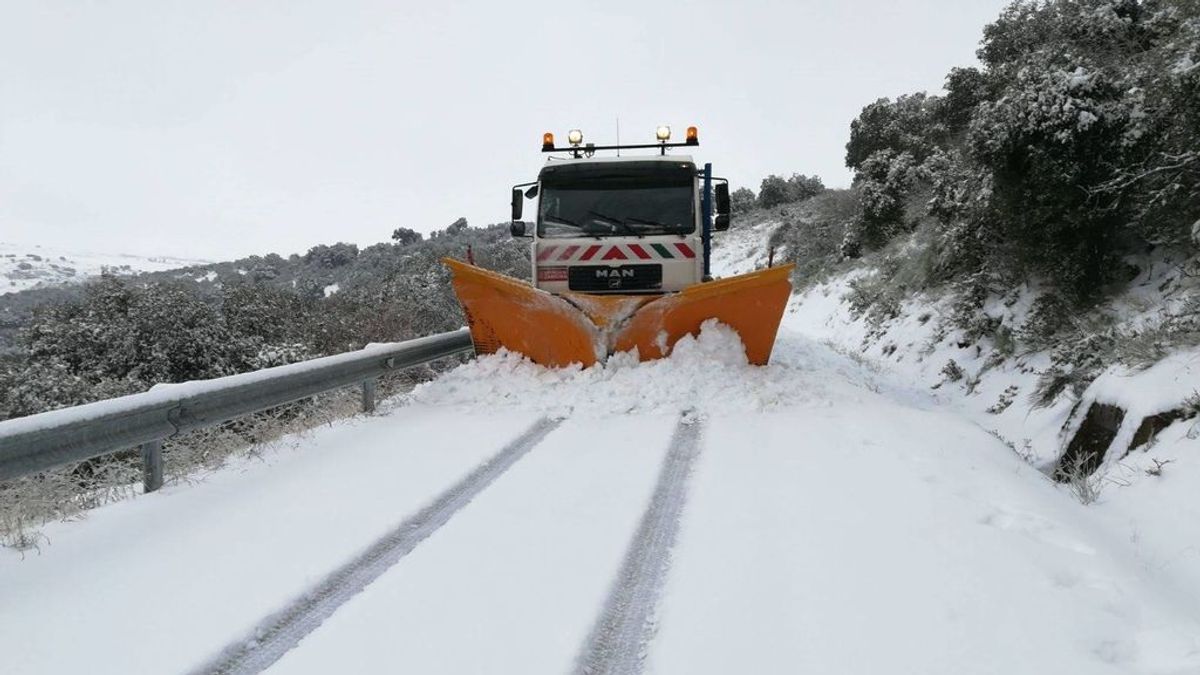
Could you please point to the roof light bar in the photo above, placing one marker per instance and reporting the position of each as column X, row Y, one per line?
column 577, row 148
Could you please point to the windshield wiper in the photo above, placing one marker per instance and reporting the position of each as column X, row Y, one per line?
column 559, row 220
column 626, row 229
column 653, row 223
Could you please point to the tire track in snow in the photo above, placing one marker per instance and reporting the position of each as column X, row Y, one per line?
column 617, row 643
column 280, row 632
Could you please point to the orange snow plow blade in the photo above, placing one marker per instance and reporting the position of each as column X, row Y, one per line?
column 577, row 328
column 751, row 304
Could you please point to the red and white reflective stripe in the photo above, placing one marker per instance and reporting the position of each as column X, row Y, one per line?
column 640, row 252
column 677, row 250
column 685, row 250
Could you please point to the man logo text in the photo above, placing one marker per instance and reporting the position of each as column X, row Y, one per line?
column 604, row 273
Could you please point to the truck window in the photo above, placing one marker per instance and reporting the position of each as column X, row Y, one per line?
column 615, row 209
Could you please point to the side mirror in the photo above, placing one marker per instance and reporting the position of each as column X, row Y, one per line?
column 721, row 222
column 517, row 228
column 518, row 204
column 721, row 190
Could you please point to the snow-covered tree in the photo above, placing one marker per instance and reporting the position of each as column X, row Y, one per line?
column 405, row 236
column 773, row 192
column 801, row 187
column 1075, row 144
column 908, row 124
column 884, row 180
column 329, row 257
column 741, row 200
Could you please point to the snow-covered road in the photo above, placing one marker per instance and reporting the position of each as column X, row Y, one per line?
column 825, row 521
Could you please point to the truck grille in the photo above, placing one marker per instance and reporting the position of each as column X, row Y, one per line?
column 616, row 279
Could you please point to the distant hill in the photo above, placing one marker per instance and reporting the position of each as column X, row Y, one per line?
column 24, row 267
column 39, row 276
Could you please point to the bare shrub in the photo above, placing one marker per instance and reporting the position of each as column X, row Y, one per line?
column 1084, row 485
column 811, row 235
column 1143, row 347
column 1191, row 406
column 1157, row 469
column 1005, row 400
column 952, row 371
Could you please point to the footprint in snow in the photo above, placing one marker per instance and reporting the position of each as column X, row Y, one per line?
column 1035, row 527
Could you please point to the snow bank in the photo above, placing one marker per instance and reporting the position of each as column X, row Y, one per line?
column 1159, row 388
column 991, row 384
column 919, row 349
column 707, row 373
column 1162, row 388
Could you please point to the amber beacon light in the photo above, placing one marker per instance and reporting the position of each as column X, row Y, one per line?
column 693, row 136
column 547, row 141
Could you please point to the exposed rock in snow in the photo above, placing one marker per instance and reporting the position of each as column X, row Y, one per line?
column 1096, row 431
column 1148, row 401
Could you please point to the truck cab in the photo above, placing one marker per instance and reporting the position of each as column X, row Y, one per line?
column 621, row 225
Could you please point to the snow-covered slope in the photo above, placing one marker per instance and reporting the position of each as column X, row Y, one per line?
column 23, row 267
column 743, row 248
column 980, row 379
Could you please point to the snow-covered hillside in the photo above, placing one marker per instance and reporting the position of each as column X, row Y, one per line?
column 743, row 248
column 991, row 383
column 23, row 267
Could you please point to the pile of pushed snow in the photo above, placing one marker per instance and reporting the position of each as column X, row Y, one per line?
column 707, row 374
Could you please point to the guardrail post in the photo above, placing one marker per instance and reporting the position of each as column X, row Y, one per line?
column 152, row 466
column 368, row 395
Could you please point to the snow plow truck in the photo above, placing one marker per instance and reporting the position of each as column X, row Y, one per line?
column 621, row 250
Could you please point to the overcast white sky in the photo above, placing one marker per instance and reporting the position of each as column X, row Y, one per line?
column 218, row 129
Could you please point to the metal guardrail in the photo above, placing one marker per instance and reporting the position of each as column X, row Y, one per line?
column 39, row 442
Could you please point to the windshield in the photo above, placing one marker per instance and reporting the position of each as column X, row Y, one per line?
column 592, row 211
